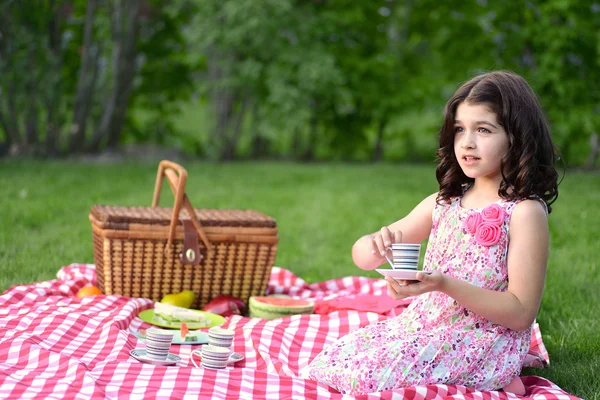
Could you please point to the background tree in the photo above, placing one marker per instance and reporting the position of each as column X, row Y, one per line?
column 68, row 71
column 316, row 80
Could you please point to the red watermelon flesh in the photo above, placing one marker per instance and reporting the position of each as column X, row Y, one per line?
column 283, row 301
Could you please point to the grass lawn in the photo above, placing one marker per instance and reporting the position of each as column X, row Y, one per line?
column 321, row 209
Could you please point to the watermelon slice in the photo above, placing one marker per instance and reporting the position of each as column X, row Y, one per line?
column 184, row 330
column 186, row 335
column 271, row 307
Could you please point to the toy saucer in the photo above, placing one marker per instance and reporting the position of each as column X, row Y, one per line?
column 400, row 274
column 141, row 355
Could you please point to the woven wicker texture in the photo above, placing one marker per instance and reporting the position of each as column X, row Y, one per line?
column 107, row 215
column 131, row 259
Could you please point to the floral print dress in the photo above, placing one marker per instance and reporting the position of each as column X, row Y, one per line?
column 436, row 340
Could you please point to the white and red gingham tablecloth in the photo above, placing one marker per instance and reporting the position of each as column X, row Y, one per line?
column 55, row 345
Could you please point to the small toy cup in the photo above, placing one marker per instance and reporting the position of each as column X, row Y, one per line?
column 214, row 357
column 404, row 255
column 158, row 343
column 220, row 337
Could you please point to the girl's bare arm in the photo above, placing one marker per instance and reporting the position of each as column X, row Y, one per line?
column 527, row 258
column 415, row 228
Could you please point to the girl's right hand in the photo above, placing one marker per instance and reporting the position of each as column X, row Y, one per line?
column 383, row 240
column 426, row 282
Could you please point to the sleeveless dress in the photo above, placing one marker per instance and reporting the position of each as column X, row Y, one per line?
column 435, row 340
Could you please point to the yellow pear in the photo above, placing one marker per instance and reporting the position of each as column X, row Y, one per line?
column 189, row 296
column 183, row 299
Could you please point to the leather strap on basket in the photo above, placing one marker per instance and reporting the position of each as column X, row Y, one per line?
column 177, row 183
column 191, row 251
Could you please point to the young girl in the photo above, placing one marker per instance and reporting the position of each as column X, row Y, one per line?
column 470, row 323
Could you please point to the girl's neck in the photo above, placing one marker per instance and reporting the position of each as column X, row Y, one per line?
column 481, row 193
column 486, row 187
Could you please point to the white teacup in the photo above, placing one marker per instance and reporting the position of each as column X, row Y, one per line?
column 404, row 255
column 158, row 343
column 220, row 337
column 213, row 357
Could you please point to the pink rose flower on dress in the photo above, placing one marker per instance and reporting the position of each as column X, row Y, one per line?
column 486, row 225
column 493, row 214
column 487, row 234
column 472, row 222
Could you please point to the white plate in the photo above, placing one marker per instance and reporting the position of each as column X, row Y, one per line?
column 141, row 355
column 400, row 274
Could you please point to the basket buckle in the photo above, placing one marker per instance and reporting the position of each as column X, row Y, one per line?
column 191, row 254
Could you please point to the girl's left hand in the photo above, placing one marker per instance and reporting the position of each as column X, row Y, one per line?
column 426, row 282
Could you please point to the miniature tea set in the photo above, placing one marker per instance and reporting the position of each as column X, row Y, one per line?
column 404, row 261
column 215, row 352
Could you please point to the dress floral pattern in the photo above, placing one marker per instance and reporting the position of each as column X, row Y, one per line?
column 435, row 340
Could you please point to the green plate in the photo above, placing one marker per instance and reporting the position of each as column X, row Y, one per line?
column 211, row 320
column 198, row 337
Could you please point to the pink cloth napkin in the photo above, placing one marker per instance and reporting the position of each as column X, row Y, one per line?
column 380, row 304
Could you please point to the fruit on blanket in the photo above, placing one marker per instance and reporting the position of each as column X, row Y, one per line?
column 89, row 290
column 225, row 305
column 183, row 299
column 185, row 333
column 271, row 307
column 238, row 302
column 184, row 329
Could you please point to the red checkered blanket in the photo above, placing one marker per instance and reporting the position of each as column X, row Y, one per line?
column 55, row 345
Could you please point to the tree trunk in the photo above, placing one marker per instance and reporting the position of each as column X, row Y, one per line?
column 8, row 100
column 593, row 156
column 7, row 143
column 8, row 120
column 233, row 132
column 259, row 145
column 311, row 144
column 30, row 116
column 309, row 150
column 378, row 151
column 125, row 29
column 53, row 120
column 296, row 143
column 86, row 81
column 126, row 71
column 31, row 123
column 223, row 99
column 8, row 125
column 13, row 121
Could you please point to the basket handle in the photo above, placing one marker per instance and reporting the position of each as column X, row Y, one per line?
column 177, row 183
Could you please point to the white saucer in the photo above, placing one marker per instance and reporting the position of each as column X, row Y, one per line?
column 400, row 274
column 140, row 355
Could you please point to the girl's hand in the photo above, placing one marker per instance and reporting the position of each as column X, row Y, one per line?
column 384, row 239
column 426, row 282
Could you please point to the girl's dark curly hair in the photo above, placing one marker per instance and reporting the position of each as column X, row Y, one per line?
column 527, row 167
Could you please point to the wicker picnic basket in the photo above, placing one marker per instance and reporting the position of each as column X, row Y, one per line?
column 153, row 251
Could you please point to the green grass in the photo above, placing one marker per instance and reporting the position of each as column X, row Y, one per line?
column 320, row 209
